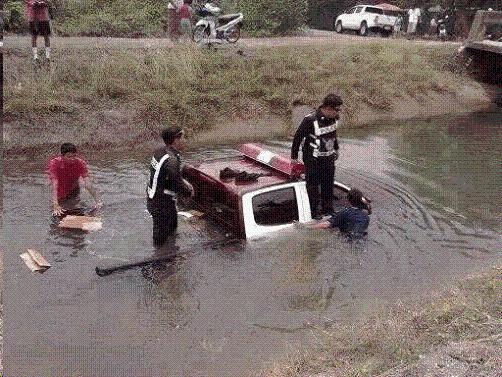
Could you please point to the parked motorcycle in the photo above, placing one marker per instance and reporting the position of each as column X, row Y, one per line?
column 442, row 31
column 213, row 28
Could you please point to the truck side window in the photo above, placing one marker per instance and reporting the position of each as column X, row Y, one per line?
column 275, row 207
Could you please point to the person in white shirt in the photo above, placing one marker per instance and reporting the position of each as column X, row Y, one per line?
column 412, row 21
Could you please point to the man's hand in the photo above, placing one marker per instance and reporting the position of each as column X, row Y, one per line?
column 190, row 188
column 97, row 205
column 57, row 210
column 336, row 155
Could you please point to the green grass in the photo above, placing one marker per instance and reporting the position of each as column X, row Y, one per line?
column 195, row 87
column 468, row 311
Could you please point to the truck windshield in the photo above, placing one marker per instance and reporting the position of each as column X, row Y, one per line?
column 275, row 207
column 374, row 10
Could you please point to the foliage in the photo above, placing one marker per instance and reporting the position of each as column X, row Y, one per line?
column 266, row 17
column 151, row 86
column 137, row 18
column 13, row 16
column 132, row 18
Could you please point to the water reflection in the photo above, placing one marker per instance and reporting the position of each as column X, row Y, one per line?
column 456, row 166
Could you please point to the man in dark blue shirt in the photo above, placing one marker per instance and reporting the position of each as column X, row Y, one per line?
column 353, row 220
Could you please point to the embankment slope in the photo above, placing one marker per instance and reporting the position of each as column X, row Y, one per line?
column 121, row 94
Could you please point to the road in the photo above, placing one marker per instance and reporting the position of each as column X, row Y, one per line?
column 313, row 37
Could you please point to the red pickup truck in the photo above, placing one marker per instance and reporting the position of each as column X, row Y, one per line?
column 265, row 193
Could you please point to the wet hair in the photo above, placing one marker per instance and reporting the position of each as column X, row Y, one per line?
column 332, row 100
column 355, row 198
column 68, row 148
column 171, row 133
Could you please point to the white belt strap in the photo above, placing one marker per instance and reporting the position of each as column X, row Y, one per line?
column 169, row 192
column 318, row 153
column 324, row 130
column 156, row 165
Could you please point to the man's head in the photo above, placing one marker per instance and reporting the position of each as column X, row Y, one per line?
column 68, row 151
column 355, row 198
column 331, row 106
column 174, row 137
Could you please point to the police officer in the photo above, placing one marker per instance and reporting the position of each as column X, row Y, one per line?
column 320, row 151
column 165, row 184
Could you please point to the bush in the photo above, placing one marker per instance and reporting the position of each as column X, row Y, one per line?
column 122, row 19
column 265, row 17
column 137, row 18
column 13, row 16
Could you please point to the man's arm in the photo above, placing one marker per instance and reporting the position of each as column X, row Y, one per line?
column 314, row 224
column 87, row 183
column 57, row 210
column 174, row 175
column 300, row 134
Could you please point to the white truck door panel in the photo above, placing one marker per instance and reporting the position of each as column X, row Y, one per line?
column 254, row 229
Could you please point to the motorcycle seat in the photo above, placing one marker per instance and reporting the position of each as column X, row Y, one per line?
column 228, row 17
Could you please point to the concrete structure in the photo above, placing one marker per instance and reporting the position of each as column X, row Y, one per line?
column 481, row 25
column 483, row 47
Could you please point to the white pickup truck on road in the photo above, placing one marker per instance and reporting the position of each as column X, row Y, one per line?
column 364, row 18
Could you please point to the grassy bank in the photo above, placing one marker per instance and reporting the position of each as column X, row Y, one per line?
column 111, row 96
column 400, row 337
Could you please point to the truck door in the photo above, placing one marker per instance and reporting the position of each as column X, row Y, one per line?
column 274, row 208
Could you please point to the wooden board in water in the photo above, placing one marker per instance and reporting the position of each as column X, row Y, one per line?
column 80, row 222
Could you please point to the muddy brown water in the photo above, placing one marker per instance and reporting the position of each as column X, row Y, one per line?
column 437, row 197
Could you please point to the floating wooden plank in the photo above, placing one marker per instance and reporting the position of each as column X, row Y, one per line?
column 86, row 223
column 186, row 215
column 196, row 213
column 30, row 262
column 35, row 261
column 38, row 258
column 191, row 215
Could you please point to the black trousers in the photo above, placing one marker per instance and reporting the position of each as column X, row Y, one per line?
column 319, row 178
column 165, row 218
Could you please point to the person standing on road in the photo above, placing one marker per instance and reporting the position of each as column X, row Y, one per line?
column 412, row 21
column 185, row 15
column 37, row 13
column 174, row 19
column 66, row 173
column 165, row 184
column 317, row 131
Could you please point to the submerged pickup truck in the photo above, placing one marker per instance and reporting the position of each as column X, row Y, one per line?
column 255, row 193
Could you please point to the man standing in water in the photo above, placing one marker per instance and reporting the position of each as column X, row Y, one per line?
column 320, row 151
column 66, row 173
column 165, row 184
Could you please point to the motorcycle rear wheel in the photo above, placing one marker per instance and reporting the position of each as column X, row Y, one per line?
column 234, row 34
column 199, row 33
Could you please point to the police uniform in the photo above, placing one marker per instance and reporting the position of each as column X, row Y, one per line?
column 164, row 185
column 320, row 150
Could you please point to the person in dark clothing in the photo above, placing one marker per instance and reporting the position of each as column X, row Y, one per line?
column 354, row 220
column 317, row 131
column 165, row 184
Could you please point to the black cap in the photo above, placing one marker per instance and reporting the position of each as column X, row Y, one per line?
column 332, row 100
column 171, row 133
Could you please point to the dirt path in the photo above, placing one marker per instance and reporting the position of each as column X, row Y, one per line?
column 310, row 37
